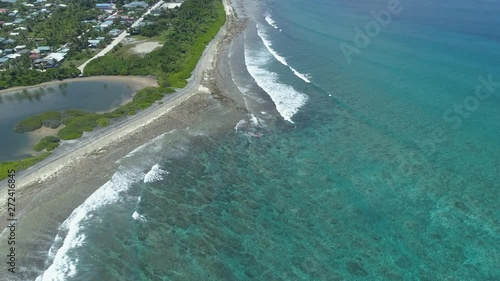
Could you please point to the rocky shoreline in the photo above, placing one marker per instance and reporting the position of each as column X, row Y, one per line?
column 49, row 191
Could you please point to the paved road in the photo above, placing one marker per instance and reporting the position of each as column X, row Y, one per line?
column 91, row 140
column 120, row 37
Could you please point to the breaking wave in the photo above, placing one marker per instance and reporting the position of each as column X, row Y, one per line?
column 271, row 21
column 62, row 254
column 285, row 97
column 155, row 174
column 265, row 39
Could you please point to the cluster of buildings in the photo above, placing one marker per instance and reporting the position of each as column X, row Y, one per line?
column 110, row 7
column 14, row 29
column 15, row 36
column 42, row 57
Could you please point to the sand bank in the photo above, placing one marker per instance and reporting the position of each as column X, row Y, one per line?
column 141, row 81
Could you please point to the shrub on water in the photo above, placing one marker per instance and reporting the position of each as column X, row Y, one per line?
column 35, row 122
column 48, row 143
column 75, row 126
column 53, row 124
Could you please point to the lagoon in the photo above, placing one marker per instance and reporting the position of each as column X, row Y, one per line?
column 93, row 95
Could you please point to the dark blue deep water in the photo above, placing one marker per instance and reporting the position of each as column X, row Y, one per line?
column 389, row 171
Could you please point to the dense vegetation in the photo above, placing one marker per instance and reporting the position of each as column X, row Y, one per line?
column 143, row 99
column 15, row 75
column 185, row 36
column 188, row 31
column 63, row 25
column 48, row 143
column 20, row 165
column 47, row 118
column 66, row 24
column 76, row 121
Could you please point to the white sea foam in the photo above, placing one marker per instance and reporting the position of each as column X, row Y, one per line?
column 63, row 261
column 155, row 145
column 239, row 124
column 256, row 121
column 271, row 21
column 265, row 39
column 136, row 216
column 285, row 97
column 155, row 174
column 53, row 250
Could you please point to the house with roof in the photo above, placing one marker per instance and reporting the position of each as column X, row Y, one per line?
column 89, row 21
column 4, row 11
column 171, row 5
column 93, row 43
column 63, row 50
column 136, row 5
column 34, row 56
column 44, row 49
column 13, row 56
column 23, row 52
column 19, row 48
column 9, row 41
column 50, row 63
column 114, row 32
column 8, row 51
column 44, row 63
column 3, row 60
column 58, row 57
column 104, row 6
column 37, row 64
column 155, row 12
column 106, row 24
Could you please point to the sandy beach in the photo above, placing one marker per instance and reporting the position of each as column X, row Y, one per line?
column 47, row 192
column 141, row 81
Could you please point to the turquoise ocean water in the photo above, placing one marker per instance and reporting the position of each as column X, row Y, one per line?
column 384, row 167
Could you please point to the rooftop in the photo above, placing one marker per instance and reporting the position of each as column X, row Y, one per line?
column 136, row 4
column 43, row 48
